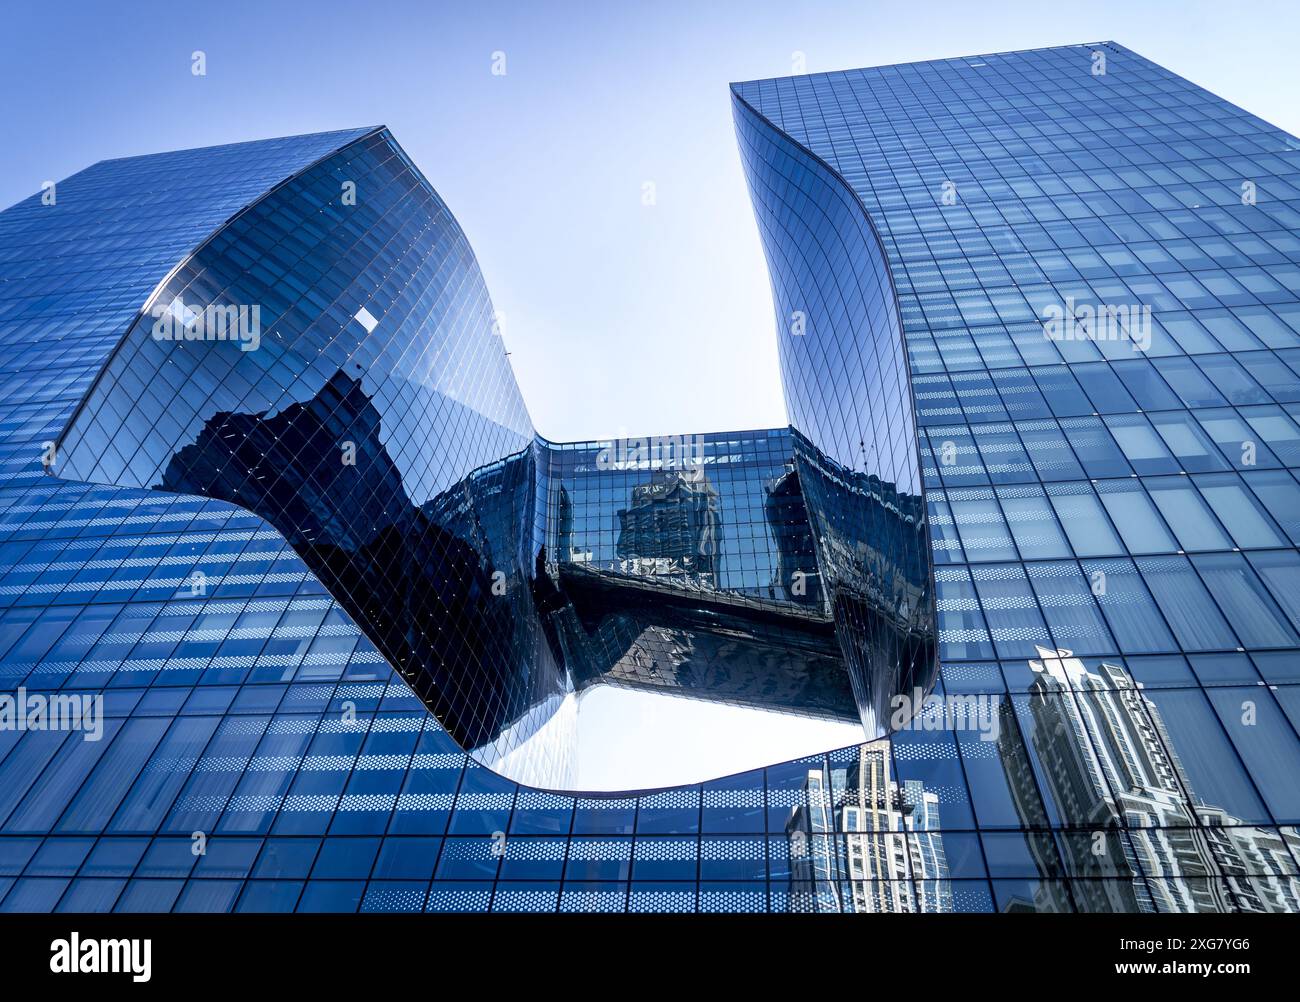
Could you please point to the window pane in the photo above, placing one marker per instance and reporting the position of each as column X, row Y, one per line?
column 1136, row 517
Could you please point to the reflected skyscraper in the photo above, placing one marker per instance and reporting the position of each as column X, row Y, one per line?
column 864, row 843
column 1114, row 761
column 672, row 528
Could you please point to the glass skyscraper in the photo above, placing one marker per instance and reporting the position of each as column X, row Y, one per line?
column 295, row 604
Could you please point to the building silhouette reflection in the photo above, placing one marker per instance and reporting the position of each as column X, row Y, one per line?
column 1087, row 746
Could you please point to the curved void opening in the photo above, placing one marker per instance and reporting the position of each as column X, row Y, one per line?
column 660, row 610
column 629, row 740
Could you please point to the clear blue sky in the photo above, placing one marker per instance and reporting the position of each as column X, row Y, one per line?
column 621, row 318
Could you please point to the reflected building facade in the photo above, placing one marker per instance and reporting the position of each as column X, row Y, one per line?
column 337, row 598
column 671, row 530
column 863, row 843
column 1114, row 761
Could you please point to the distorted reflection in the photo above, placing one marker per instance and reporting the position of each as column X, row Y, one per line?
column 1106, row 813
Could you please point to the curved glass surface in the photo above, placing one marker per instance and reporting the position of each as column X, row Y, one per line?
column 849, row 394
column 328, row 360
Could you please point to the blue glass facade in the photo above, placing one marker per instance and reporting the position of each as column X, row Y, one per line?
column 1098, row 539
column 1093, row 492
